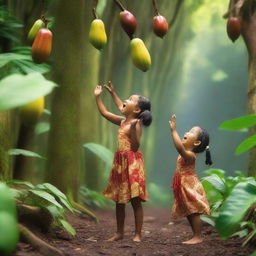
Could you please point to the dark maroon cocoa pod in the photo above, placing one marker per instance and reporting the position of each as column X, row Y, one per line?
column 233, row 28
column 160, row 25
column 128, row 22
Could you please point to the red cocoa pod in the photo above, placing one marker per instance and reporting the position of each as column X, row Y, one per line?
column 128, row 22
column 160, row 25
column 233, row 28
column 42, row 46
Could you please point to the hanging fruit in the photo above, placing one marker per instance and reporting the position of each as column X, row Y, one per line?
column 160, row 25
column 31, row 112
column 140, row 55
column 35, row 28
column 233, row 28
column 128, row 22
column 42, row 46
column 97, row 34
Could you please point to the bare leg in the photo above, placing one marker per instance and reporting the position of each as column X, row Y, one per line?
column 138, row 215
column 196, row 225
column 120, row 216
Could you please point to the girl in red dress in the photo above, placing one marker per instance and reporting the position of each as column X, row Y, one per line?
column 189, row 196
column 127, row 178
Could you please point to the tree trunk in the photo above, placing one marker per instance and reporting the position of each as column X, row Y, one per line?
column 5, row 145
column 64, row 138
column 249, row 35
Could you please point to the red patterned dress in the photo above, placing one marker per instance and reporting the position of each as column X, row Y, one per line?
column 189, row 194
column 127, row 177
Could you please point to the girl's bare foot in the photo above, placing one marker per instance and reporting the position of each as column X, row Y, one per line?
column 116, row 237
column 137, row 238
column 194, row 240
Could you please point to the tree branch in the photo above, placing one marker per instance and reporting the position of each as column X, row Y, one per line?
column 119, row 5
column 95, row 3
column 234, row 8
column 155, row 7
column 176, row 12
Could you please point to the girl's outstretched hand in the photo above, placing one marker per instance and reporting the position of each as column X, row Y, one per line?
column 98, row 90
column 109, row 87
column 172, row 122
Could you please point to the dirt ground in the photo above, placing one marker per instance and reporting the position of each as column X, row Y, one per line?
column 160, row 237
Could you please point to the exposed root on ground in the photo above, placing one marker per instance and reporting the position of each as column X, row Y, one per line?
column 37, row 243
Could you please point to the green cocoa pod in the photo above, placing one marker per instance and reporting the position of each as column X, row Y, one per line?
column 34, row 29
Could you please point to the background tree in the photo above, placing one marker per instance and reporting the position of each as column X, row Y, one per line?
column 245, row 11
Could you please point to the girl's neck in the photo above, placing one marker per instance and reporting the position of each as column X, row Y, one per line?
column 129, row 118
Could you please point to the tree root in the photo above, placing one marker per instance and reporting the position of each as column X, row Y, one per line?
column 34, row 215
column 37, row 243
column 82, row 209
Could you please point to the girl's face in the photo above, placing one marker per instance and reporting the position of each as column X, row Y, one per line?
column 130, row 105
column 190, row 140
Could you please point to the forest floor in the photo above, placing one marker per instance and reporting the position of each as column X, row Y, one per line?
column 161, row 237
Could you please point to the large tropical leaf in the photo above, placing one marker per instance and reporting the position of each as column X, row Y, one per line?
column 102, row 152
column 46, row 196
column 67, row 226
column 17, row 90
column 231, row 213
column 23, row 152
column 216, row 182
column 239, row 123
column 218, row 172
column 246, row 145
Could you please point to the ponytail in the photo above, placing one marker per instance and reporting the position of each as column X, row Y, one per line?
column 146, row 117
column 145, row 114
column 208, row 159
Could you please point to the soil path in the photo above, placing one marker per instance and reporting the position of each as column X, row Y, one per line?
column 160, row 237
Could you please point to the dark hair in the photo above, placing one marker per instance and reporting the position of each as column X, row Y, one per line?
column 205, row 139
column 145, row 114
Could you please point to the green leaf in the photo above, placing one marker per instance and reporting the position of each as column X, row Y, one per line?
column 17, row 90
column 23, row 152
column 67, row 227
column 47, row 112
column 239, row 123
column 54, row 190
column 42, row 127
column 218, row 172
column 45, row 196
column 231, row 213
column 21, row 182
column 102, row 152
column 246, row 145
column 216, row 182
column 208, row 219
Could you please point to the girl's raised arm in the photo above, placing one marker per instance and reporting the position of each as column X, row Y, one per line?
column 117, row 100
column 104, row 112
column 187, row 155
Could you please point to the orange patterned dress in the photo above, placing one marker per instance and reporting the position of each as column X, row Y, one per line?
column 189, row 194
column 127, row 177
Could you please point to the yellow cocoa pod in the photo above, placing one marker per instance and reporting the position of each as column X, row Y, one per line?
column 31, row 112
column 97, row 34
column 140, row 55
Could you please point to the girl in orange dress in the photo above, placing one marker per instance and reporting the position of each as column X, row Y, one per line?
column 189, row 196
column 127, row 177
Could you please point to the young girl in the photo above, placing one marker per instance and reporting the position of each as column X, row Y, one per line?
column 127, row 177
column 189, row 196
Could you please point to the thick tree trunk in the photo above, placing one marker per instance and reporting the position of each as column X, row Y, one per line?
column 64, row 139
column 5, row 145
column 249, row 35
